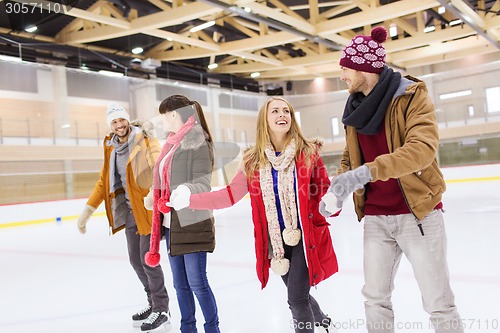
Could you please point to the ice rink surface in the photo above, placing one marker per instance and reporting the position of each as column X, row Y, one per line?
column 55, row 280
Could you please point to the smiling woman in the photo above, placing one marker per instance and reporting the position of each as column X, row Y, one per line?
column 286, row 179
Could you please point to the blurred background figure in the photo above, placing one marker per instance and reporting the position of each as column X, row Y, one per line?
column 126, row 176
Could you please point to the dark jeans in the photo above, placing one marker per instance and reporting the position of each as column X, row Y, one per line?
column 151, row 277
column 189, row 272
column 305, row 309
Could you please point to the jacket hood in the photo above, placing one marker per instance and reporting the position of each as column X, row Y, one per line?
column 318, row 142
column 408, row 84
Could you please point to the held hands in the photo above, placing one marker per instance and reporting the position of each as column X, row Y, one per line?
column 346, row 183
column 328, row 205
column 84, row 217
column 149, row 200
column 180, row 197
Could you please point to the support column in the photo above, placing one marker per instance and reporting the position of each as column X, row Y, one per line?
column 62, row 126
column 143, row 100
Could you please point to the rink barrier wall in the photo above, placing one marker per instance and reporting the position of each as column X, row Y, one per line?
column 29, row 214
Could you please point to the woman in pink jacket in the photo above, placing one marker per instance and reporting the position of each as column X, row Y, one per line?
column 286, row 179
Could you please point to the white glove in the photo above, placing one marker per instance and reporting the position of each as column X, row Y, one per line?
column 82, row 221
column 149, row 200
column 180, row 197
column 328, row 205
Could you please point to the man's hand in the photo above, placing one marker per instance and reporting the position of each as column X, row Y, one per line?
column 346, row 183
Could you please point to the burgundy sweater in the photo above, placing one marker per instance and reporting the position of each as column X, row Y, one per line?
column 382, row 197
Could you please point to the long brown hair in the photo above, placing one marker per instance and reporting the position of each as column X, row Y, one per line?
column 175, row 102
column 255, row 157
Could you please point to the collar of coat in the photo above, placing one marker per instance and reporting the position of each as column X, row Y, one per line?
column 194, row 139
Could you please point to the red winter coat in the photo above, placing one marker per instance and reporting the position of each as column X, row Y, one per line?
column 312, row 184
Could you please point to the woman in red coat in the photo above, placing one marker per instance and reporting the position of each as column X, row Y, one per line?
column 286, row 179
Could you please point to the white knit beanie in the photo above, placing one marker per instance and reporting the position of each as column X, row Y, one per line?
column 116, row 111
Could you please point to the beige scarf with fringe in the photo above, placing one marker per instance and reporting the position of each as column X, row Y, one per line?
column 284, row 163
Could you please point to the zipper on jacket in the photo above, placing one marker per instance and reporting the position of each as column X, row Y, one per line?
column 419, row 224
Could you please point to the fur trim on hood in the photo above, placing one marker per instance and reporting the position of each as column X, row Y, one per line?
column 317, row 141
column 146, row 126
column 194, row 139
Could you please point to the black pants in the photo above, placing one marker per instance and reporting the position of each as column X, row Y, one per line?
column 151, row 277
column 305, row 309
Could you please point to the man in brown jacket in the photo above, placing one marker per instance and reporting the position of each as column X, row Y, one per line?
column 126, row 176
column 390, row 164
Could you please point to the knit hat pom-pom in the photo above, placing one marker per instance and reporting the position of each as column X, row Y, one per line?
column 152, row 259
column 291, row 237
column 280, row 266
column 379, row 34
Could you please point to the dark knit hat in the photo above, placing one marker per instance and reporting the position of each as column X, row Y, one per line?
column 366, row 53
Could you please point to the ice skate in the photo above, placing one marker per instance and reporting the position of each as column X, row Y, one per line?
column 157, row 322
column 139, row 317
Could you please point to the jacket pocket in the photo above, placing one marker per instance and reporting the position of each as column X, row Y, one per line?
column 430, row 175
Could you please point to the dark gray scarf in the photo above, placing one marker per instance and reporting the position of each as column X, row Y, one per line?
column 366, row 113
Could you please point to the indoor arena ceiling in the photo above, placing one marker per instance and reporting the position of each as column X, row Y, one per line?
column 284, row 40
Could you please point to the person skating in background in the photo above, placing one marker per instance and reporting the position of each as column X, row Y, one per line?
column 286, row 178
column 390, row 164
column 125, row 179
column 185, row 164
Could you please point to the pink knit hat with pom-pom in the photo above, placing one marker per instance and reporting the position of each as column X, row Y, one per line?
column 366, row 53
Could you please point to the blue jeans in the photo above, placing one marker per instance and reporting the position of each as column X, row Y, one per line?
column 386, row 238
column 189, row 272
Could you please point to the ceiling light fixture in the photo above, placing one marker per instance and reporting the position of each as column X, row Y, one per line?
column 213, row 66
column 393, row 30
column 31, row 28
column 137, row 50
column 429, row 29
column 255, row 74
column 109, row 73
column 455, row 22
column 202, row 26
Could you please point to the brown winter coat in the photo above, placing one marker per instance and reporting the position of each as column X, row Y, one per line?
column 412, row 138
column 139, row 180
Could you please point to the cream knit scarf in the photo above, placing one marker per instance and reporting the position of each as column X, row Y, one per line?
column 285, row 165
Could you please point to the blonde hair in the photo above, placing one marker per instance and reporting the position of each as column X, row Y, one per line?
column 255, row 157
